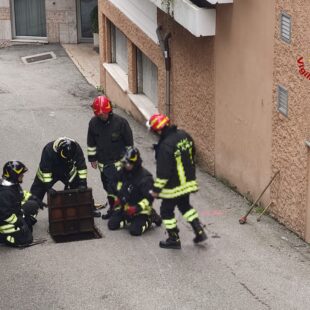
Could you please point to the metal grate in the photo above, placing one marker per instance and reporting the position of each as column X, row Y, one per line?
column 285, row 27
column 38, row 58
column 282, row 100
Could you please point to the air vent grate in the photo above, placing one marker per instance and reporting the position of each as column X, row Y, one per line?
column 285, row 27
column 282, row 100
column 38, row 58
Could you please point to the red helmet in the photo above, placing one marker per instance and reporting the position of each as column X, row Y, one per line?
column 158, row 122
column 101, row 105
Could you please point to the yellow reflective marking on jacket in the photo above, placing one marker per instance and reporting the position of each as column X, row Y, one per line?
column 118, row 165
column 145, row 206
column 160, row 183
column 26, row 196
column 180, row 167
column 45, row 177
column 91, row 151
column 82, row 174
column 119, row 185
column 11, row 219
column 8, row 229
column 183, row 189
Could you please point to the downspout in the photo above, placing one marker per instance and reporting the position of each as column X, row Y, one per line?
column 164, row 46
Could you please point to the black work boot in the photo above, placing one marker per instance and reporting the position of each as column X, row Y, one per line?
column 155, row 218
column 107, row 215
column 199, row 231
column 173, row 241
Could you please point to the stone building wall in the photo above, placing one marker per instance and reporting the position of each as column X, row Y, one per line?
column 289, row 152
column 5, row 21
column 61, row 23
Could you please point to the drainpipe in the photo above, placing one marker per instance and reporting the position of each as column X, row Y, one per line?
column 164, row 46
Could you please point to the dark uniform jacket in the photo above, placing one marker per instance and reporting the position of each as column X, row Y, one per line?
column 175, row 166
column 52, row 167
column 11, row 214
column 107, row 141
column 132, row 188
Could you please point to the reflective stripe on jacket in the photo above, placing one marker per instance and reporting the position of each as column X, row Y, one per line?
column 53, row 167
column 175, row 166
column 107, row 141
column 133, row 187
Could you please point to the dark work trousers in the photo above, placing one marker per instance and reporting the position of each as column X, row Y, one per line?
column 39, row 189
column 136, row 225
column 108, row 175
column 168, row 205
column 21, row 237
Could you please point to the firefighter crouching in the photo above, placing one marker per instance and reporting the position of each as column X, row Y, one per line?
column 61, row 160
column 175, row 179
column 108, row 136
column 18, row 208
column 133, row 205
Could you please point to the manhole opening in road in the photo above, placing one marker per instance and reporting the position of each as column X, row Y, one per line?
column 38, row 58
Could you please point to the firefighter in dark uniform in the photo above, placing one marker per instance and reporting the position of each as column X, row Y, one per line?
column 175, row 179
column 61, row 160
column 133, row 206
column 18, row 208
column 108, row 136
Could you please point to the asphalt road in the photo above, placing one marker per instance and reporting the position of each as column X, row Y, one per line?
column 255, row 266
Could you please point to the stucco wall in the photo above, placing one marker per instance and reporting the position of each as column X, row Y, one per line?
column 135, row 35
column 192, row 87
column 289, row 153
column 192, row 76
column 61, row 21
column 5, row 21
column 244, row 68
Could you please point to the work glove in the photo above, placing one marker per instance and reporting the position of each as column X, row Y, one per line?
column 41, row 204
column 19, row 223
column 52, row 192
column 116, row 202
column 31, row 207
column 132, row 210
column 82, row 188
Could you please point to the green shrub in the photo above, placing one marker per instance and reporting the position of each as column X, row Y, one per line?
column 94, row 20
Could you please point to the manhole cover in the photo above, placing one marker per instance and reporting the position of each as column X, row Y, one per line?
column 38, row 58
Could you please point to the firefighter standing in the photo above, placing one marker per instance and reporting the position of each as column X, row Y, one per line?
column 133, row 206
column 18, row 208
column 61, row 160
column 175, row 179
column 108, row 136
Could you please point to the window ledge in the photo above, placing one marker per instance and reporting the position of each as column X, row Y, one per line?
column 118, row 74
column 143, row 104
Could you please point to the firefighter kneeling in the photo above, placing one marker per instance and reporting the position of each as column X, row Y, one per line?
column 133, row 203
column 18, row 208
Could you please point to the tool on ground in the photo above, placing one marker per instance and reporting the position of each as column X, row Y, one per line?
column 34, row 242
column 242, row 220
column 99, row 206
column 259, row 217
